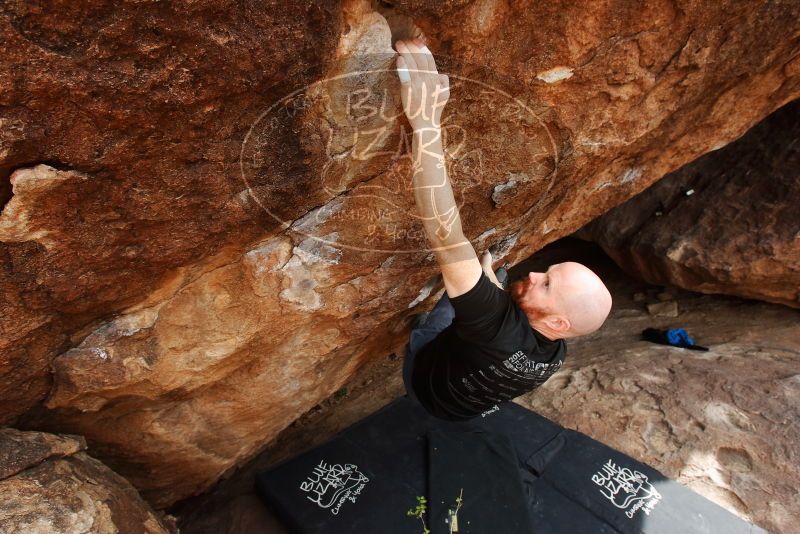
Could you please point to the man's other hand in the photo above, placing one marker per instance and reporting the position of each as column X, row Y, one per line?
column 486, row 265
column 423, row 90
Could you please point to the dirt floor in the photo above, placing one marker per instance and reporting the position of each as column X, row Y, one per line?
column 232, row 505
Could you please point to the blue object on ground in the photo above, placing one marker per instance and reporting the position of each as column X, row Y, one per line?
column 676, row 337
column 679, row 336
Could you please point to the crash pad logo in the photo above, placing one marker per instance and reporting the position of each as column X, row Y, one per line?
column 627, row 489
column 331, row 485
column 491, row 410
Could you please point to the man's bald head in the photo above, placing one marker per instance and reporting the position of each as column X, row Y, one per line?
column 583, row 298
column 568, row 300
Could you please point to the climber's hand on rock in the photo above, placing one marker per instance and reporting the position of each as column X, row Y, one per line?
column 423, row 90
column 486, row 265
column 486, row 261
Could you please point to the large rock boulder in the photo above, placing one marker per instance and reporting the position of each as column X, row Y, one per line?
column 48, row 485
column 726, row 223
column 191, row 260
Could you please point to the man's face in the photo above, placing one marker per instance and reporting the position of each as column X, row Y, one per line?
column 537, row 292
column 568, row 299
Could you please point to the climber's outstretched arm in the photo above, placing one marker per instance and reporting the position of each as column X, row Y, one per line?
column 424, row 93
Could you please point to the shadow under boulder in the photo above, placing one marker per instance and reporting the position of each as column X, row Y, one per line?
column 729, row 222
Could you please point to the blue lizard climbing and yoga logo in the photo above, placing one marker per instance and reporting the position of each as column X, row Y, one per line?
column 331, row 485
column 626, row 488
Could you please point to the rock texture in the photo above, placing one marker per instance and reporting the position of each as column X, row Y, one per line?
column 48, row 485
column 189, row 260
column 726, row 223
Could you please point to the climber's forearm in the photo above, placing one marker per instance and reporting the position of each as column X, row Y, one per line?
column 434, row 197
column 424, row 93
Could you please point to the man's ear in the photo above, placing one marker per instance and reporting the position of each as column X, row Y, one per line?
column 558, row 323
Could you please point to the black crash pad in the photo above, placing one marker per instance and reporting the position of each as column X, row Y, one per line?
column 367, row 477
column 481, row 469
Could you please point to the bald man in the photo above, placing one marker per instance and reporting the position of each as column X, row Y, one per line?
column 481, row 345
